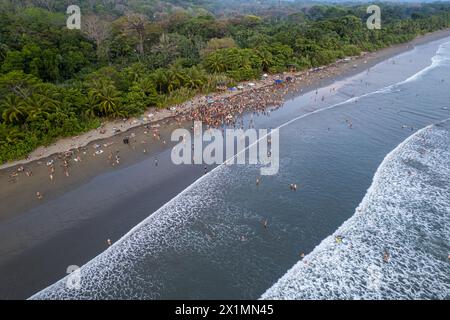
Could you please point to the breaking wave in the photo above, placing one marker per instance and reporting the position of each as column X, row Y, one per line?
column 106, row 271
column 441, row 58
column 406, row 212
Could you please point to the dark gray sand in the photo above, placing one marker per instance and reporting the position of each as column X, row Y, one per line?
column 39, row 239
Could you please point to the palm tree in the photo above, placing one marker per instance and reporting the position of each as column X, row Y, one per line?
column 106, row 98
column 194, row 78
column 215, row 63
column 37, row 113
column 147, row 87
column 13, row 136
column 166, row 47
column 50, row 98
column 3, row 50
column 266, row 59
column 90, row 111
column 176, row 78
column 14, row 110
column 40, row 106
column 161, row 80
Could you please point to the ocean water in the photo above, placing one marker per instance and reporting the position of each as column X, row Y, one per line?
column 209, row 241
column 406, row 212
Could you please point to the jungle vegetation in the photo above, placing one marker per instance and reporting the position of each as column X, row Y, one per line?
column 133, row 54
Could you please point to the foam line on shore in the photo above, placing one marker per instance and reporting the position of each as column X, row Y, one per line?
column 395, row 213
column 220, row 167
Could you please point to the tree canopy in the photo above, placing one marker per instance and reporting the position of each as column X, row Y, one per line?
column 133, row 54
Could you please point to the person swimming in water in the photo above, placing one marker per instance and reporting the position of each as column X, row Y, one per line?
column 386, row 256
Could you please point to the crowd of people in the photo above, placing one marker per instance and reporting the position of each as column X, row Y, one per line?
column 217, row 110
column 214, row 111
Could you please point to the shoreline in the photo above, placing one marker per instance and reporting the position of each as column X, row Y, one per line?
column 146, row 237
column 325, row 254
column 153, row 116
column 98, row 225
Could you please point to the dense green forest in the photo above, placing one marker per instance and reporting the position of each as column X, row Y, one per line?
column 133, row 54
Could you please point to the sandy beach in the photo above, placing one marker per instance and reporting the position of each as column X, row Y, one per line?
column 303, row 81
column 51, row 171
column 61, row 168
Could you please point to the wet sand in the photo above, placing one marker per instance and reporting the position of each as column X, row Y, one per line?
column 37, row 247
column 18, row 194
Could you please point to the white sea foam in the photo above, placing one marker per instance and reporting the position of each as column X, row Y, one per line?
column 441, row 58
column 406, row 211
